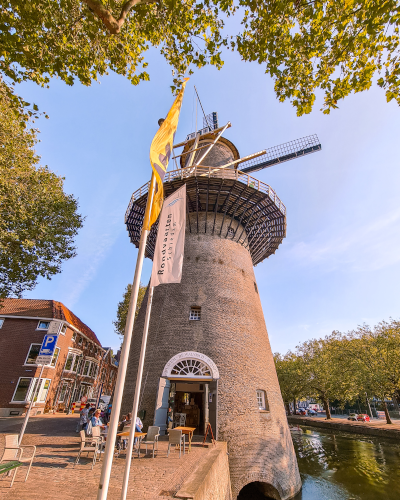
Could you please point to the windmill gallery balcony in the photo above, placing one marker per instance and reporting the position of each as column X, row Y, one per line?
column 256, row 214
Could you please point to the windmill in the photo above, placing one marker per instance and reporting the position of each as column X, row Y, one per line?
column 208, row 356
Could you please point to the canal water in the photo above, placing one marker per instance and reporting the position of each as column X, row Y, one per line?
column 344, row 466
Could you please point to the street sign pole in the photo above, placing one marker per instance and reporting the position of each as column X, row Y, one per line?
column 28, row 411
column 44, row 358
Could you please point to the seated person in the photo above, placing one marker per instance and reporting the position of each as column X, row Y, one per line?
column 96, row 420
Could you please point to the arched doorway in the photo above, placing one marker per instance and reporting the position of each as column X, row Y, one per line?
column 188, row 390
column 258, row 490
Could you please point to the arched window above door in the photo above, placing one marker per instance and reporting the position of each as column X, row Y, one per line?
column 191, row 365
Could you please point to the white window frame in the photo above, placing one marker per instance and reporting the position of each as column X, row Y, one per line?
column 63, row 329
column 75, row 359
column 1, row 322
column 31, row 387
column 27, row 355
column 40, row 328
column 57, row 351
column 195, row 314
column 261, row 399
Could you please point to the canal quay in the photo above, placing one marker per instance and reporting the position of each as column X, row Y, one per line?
column 333, row 465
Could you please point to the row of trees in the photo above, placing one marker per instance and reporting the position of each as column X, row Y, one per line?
column 363, row 363
column 337, row 46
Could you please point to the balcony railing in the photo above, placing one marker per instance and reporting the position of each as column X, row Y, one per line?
column 220, row 173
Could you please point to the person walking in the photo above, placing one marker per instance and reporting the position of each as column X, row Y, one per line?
column 83, row 419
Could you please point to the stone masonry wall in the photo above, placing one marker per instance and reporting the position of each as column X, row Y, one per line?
column 218, row 276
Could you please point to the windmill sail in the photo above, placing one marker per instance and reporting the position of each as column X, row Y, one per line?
column 283, row 152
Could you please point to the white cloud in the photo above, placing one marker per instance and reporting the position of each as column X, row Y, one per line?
column 101, row 229
column 362, row 247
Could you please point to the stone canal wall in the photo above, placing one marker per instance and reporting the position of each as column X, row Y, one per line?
column 211, row 479
column 375, row 428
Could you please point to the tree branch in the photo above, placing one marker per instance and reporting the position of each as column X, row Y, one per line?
column 113, row 25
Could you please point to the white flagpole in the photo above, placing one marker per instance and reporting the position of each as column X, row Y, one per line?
column 123, row 364
column 137, row 394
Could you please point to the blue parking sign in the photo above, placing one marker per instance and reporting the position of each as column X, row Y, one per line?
column 48, row 345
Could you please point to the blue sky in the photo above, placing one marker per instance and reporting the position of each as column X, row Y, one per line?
column 340, row 263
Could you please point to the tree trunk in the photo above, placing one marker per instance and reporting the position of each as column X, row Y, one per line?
column 294, row 407
column 288, row 409
column 326, row 407
column 368, row 406
column 388, row 419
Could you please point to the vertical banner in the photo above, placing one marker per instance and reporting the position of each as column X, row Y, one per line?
column 170, row 244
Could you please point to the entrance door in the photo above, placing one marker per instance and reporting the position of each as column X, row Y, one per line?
column 161, row 412
column 212, row 406
column 188, row 403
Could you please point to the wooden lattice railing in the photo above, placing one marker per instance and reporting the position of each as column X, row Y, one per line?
column 220, row 173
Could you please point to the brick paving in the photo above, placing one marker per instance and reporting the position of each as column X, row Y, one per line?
column 53, row 476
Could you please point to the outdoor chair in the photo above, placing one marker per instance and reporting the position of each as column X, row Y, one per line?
column 176, row 438
column 97, row 436
column 89, row 445
column 14, row 452
column 153, row 434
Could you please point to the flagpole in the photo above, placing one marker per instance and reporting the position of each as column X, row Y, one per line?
column 137, row 394
column 123, row 364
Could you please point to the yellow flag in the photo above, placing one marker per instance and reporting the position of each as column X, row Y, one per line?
column 160, row 152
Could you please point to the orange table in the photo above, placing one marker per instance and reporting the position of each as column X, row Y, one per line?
column 139, row 435
column 189, row 432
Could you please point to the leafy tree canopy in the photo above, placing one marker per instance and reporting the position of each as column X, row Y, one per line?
column 38, row 221
column 338, row 46
column 290, row 371
column 123, row 307
column 375, row 357
column 328, row 374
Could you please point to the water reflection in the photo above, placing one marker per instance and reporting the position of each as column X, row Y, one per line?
column 344, row 466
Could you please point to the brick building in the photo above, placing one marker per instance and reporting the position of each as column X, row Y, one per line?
column 80, row 365
column 208, row 355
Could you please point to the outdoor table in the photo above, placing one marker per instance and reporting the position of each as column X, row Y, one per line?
column 188, row 431
column 139, row 435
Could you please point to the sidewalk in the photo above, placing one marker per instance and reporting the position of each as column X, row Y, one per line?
column 377, row 427
column 53, row 476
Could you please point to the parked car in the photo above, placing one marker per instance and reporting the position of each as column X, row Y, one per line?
column 102, row 404
column 312, row 413
column 302, row 411
column 363, row 417
column 352, row 416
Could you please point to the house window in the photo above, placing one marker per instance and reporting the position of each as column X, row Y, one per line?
column 22, row 389
column 63, row 329
column 79, row 340
column 87, row 368
column 74, row 336
column 262, row 400
column 44, row 389
column 1, row 322
column 62, row 393
column 70, row 360
column 73, row 362
column 55, row 356
column 231, row 232
column 33, row 354
column 195, row 313
column 43, row 325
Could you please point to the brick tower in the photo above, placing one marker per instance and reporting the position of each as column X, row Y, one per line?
column 208, row 355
